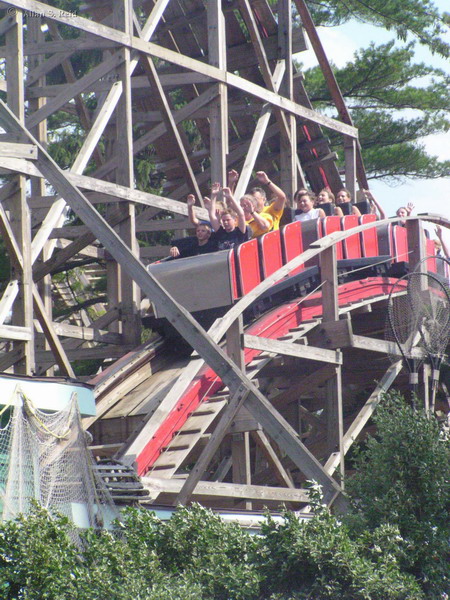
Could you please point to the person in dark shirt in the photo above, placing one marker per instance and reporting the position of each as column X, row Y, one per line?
column 230, row 229
column 202, row 243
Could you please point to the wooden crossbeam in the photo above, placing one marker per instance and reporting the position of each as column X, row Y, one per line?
column 231, row 375
column 288, row 349
column 151, row 49
column 236, row 491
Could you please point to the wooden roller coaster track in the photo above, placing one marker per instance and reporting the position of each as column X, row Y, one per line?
column 189, row 88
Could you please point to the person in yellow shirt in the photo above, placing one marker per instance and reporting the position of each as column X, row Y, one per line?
column 275, row 208
column 259, row 223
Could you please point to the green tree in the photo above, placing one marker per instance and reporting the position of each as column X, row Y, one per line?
column 394, row 102
column 402, row 479
column 418, row 18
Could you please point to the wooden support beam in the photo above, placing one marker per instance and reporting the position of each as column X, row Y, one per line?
column 364, row 414
column 288, row 152
column 331, row 82
column 211, row 447
column 14, row 150
column 19, row 230
column 90, row 334
column 50, row 334
column 289, row 349
column 258, row 137
column 14, row 332
column 330, row 313
column 179, row 59
column 218, row 109
column 226, row 490
column 7, row 299
column 178, row 137
column 240, row 454
column 274, row 461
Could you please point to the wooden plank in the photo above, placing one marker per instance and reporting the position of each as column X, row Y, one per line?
column 158, row 486
column 383, row 346
column 51, row 336
column 365, row 413
column 91, row 334
column 14, row 332
column 218, row 117
column 11, row 358
column 240, row 454
column 288, row 349
column 75, row 88
column 19, row 227
column 15, row 150
column 7, row 300
column 268, row 451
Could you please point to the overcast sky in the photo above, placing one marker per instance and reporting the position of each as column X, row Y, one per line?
column 427, row 195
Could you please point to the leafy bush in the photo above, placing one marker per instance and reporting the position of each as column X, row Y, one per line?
column 402, row 479
column 392, row 546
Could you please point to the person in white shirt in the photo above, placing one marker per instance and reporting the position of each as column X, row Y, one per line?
column 306, row 205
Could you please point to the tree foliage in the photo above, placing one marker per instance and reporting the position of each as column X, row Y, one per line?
column 418, row 18
column 395, row 103
column 392, row 545
column 402, row 478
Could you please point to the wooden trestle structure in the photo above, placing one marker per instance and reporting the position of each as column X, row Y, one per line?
column 203, row 86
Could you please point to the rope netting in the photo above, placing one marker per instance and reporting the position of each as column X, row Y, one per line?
column 44, row 459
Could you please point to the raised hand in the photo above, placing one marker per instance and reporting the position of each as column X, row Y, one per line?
column 262, row 177
column 233, row 176
column 409, row 208
column 190, row 200
column 227, row 193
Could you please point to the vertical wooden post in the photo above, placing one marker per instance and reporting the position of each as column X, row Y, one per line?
column 350, row 164
column 288, row 152
column 219, row 106
column 330, row 307
column 129, row 292
column 240, row 442
column 37, row 184
column 19, row 211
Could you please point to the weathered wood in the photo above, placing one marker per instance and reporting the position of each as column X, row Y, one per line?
column 14, row 150
column 20, row 222
column 288, row 349
column 365, row 413
column 211, row 447
column 50, row 334
column 280, row 472
column 227, row 490
column 7, row 300
column 218, row 109
column 14, row 332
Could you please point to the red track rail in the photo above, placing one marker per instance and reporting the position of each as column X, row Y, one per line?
column 272, row 325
